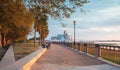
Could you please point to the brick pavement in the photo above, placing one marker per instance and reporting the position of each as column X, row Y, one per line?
column 59, row 57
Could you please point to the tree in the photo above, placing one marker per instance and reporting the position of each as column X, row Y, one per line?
column 43, row 31
column 42, row 27
column 14, row 22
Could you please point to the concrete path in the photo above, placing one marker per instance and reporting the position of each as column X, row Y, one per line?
column 8, row 57
column 64, row 58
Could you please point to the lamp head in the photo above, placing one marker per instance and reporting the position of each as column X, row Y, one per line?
column 74, row 22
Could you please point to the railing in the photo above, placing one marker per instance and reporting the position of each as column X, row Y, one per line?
column 111, row 53
column 82, row 48
column 91, row 49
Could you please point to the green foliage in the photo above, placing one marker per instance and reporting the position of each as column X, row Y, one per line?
column 55, row 8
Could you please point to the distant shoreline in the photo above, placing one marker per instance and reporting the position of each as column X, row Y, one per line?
column 109, row 43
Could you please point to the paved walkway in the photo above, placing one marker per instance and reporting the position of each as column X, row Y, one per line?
column 63, row 58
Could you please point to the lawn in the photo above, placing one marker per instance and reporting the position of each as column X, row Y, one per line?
column 23, row 49
column 2, row 52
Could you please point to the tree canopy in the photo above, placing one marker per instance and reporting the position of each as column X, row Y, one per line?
column 15, row 21
column 55, row 8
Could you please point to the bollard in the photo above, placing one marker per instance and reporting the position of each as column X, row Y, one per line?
column 79, row 46
column 72, row 45
column 96, row 50
column 85, row 48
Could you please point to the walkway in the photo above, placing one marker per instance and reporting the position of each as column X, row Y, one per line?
column 63, row 58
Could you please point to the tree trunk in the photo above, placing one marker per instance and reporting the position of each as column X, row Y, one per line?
column 34, row 37
column 39, row 38
column 42, row 38
column 5, row 43
column 2, row 39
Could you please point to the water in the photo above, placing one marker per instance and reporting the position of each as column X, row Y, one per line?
column 109, row 43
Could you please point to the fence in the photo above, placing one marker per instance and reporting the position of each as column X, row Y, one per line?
column 111, row 53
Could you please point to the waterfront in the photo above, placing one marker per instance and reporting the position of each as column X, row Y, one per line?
column 109, row 43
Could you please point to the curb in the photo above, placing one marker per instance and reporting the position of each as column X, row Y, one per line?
column 26, row 62
column 28, row 65
column 8, row 58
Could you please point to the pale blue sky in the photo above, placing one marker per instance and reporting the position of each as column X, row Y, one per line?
column 101, row 22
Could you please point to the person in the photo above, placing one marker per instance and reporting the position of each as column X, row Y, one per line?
column 47, row 45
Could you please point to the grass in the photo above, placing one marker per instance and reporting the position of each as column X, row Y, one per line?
column 112, row 59
column 2, row 52
column 23, row 49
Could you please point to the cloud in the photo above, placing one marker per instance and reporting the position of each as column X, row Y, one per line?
column 96, row 33
column 112, row 11
column 96, row 29
column 103, row 17
column 107, row 17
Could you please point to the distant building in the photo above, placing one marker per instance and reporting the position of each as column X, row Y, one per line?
column 61, row 38
column 54, row 38
column 58, row 38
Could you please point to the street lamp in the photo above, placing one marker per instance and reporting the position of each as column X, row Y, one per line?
column 74, row 23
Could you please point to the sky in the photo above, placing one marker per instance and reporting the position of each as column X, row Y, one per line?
column 100, row 22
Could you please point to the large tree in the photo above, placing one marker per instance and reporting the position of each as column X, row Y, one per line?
column 15, row 21
column 42, row 28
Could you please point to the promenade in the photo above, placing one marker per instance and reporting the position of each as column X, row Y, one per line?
column 59, row 57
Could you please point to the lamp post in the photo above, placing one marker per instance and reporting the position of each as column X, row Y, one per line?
column 64, row 36
column 74, row 23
